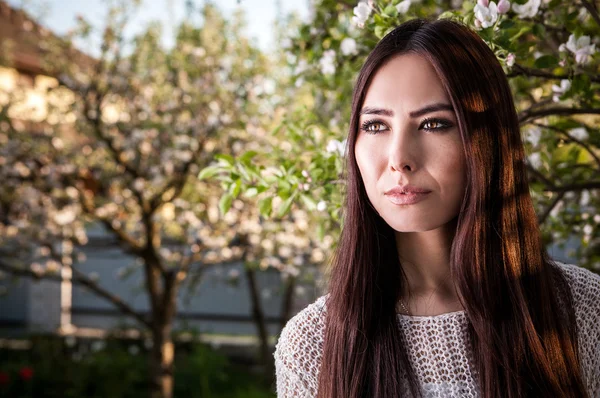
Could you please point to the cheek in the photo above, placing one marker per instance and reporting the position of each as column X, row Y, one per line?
column 452, row 169
column 368, row 163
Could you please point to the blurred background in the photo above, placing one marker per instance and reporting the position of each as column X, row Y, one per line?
column 172, row 175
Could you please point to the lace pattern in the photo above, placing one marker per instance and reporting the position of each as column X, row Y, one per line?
column 437, row 345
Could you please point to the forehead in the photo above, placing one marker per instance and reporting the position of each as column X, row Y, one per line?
column 407, row 82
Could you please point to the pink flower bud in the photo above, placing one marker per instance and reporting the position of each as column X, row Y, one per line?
column 484, row 3
column 510, row 59
column 503, row 6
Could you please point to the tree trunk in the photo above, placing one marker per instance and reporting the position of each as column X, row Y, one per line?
column 161, row 363
column 259, row 319
column 288, row 300
column 163, row 303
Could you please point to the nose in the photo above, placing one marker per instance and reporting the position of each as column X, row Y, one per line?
column 402, row 153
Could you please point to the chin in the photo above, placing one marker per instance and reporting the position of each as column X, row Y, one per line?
column 426, row 221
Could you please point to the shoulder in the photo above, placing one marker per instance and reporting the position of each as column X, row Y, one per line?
column 304, row 331
column 585, row 288
column 299, row 347
column 585, row 285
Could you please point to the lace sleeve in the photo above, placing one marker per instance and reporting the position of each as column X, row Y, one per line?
column 585, row 286
column 298, row 353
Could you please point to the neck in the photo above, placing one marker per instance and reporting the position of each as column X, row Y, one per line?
column 425, row 260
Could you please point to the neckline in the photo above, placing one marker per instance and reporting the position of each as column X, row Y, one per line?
column 432, row 317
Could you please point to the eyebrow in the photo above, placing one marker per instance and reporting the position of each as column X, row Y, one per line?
column 367, row 110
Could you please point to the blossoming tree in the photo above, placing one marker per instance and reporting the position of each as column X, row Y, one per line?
column 548, row 50
column 119, row 142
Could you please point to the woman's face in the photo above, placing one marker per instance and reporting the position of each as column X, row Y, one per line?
column 408, row 135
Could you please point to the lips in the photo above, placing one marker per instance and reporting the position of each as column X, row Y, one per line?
column 406, row 189
column 406, row 195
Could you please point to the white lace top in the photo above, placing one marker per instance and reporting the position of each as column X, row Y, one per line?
column 437, row 345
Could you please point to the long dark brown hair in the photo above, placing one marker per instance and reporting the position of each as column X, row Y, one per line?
column 524, row 340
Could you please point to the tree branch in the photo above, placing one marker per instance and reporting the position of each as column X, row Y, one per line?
column 519, row 70
column 527, row 116
column 134, row 246
column 178, row 181
column 548, row 210
column 79, row 278
column 570, row 137
column 588, row 6
column 539, row 175
column 574, row 187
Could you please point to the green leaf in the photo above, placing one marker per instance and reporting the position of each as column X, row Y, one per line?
column 546, row 61
column 208, row 172
column 506, row 24
column 321, row 231
column 248, row 156
column 227, row 159
column 447, row 15
column 251, row 192
column 308, row 202
column 235, row 188
column 521, row 32
column 225, row 203
column 539, row 30
column 285, row 206
column 391, row 11
column 243, row 172
column 265, row 205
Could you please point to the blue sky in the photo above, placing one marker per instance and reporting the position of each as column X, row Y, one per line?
column 59, row 15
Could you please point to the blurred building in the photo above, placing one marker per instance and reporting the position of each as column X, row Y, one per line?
column 218, row 303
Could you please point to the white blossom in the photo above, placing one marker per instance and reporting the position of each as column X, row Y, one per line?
column 535, row 160
column 533, row 135
column 301, row 67
column 403, row 6
column 503, row 6
column 361, row 14
column 65, row 216
column 557, row 209
column 583, row 13
column 327, row 62
column 581, row 47
column 527, row 10
column 348, row 46
column 584, row 200
column 286, row 43
column 588, row 229
column 335, row 146
column 510, row 59
column 321, row 206
column 487, row 16
column 579, row 133
column 597, row 218
column 565, row 85
column 138, row 184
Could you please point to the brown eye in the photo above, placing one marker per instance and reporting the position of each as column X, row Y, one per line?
column 372, row 127
column 432, row 125
column 435, row 125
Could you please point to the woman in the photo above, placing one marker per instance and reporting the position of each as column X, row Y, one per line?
column 440, row 285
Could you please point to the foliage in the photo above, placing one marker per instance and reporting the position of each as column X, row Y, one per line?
column 548, row 52
column 118, row 368
column 118, row 141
